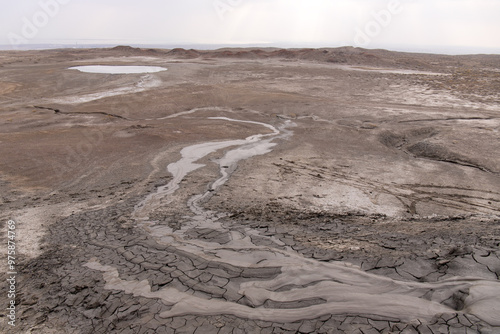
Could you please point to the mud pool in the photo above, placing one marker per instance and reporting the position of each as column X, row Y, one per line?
column 116, row 69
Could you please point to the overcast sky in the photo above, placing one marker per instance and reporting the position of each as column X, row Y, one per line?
column 415, row 25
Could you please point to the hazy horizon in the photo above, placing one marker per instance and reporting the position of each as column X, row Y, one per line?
column 444, row 27
column 430, row 50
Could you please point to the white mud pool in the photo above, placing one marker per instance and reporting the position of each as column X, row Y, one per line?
column 115, row 69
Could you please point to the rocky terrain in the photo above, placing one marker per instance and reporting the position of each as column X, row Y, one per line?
column 251, row 191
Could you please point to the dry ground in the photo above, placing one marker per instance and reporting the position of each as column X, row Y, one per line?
column 392, row 167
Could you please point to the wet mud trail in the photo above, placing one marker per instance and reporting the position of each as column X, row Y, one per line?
column 268, row 280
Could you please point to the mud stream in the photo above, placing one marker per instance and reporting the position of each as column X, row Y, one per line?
column 316, row 288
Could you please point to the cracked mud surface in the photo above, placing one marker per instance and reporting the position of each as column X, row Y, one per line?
column 321, row 192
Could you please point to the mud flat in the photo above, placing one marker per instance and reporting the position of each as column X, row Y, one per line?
column 252, row 191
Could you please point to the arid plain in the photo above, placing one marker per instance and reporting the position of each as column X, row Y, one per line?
column 252, row 191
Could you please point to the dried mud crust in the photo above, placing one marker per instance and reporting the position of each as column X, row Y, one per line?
column 422, row 249
column 59, row 294
column 467, row 82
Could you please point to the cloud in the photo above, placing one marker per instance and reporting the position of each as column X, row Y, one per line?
column 323, row 22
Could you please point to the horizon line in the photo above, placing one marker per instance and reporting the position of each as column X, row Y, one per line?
column 441, row 50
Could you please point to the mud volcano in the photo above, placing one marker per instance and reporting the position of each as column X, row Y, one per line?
column 252, row 191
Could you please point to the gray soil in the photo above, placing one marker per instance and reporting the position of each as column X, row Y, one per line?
column 252, row 191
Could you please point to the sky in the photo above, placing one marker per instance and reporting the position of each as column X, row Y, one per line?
column 439, row 26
